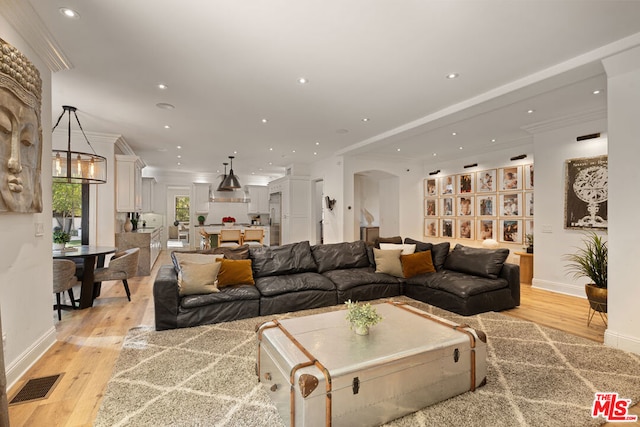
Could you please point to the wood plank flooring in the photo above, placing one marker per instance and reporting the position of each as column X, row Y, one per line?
column 89, row 342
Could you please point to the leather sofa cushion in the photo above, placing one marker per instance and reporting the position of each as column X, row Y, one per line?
column 240, row 252
column 277, row 285
column 394, row 239
column 477, row 261
column 352, row 277
column 337, row 256
column 459, row 284
column 279, row 260
column 226, row 294
column 439, row 251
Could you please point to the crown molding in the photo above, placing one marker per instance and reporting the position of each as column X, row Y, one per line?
column 28, row 24
column 565, row 121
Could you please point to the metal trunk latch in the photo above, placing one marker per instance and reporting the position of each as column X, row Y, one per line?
column 456, row 355
column 356, row 385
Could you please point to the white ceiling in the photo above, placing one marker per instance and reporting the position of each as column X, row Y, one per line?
column 229, row 64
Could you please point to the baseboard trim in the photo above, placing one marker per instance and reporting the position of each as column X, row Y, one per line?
column 31, row 355
column 622, row 342
column 561, row 288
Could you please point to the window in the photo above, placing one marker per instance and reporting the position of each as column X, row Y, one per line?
column 69, row 210
column 182, row 209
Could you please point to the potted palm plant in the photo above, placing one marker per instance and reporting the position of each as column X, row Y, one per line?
column 591, row 261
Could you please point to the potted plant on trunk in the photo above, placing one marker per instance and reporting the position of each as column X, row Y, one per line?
column 361, row 316
column 591, row 261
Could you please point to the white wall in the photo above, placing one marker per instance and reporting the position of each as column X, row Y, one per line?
column 551, row 150
column 623, row 72
column 330, row 171
column 26, row 259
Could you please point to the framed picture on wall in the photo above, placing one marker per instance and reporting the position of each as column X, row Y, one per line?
column 528, row 203
column 465, row 183
column 486, row 229
column 486, row 205
column 447, row 227
column 447, row 185
column 465, row 205
column 511, row 204
column 586, row 193
column 465, row 228
column 486, row 181
column 431, row 227
column 430, row 207
column 510, row 231
column 510, row 178
column 528, row 177
column 430, row 187
column 448, row 207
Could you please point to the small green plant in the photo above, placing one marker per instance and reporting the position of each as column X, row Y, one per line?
column 361, row 315
column 590, row 261
column 529, row 239
column 60, row 236
column 200, row 219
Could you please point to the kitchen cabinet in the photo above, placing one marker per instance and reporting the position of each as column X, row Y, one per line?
column 148, row 187
column 259, row 196
column 295, row 196
column 201, row 199
column 128, row 183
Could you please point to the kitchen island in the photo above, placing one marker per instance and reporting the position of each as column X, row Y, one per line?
column 148, row 239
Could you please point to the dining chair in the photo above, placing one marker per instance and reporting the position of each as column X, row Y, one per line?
column 122, row 266
column 206, row 239
column 64, row 278
column 230, row 238
column 253, row 237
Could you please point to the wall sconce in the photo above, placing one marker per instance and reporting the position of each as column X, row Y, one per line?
column 473, row 165
column 520, row 157
column 330, row 202
column 434, row 172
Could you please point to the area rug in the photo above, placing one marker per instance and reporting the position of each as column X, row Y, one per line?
column 205, row 376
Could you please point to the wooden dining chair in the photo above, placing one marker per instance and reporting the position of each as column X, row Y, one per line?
column 206, row 239
column 64, row 278
column 123, row 266
column 253, row 237
column 230, row 238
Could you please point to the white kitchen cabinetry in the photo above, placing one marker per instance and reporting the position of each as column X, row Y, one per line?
column 201, row 202
column 295, row 222
column 128, row 183
column 148, row 188
column 259, row 195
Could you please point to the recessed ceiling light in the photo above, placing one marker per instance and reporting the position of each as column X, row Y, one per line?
column 452, row 76
column 365, row 119
column 235, row 152
column 454, row 133
column 253, row 173
column 435, row 154
column 167, row 127
column 162, row 86
column 293, row 151
column 303, row 81
column 397, row 149
column 179, row 147
column 493, row 140
column 69, row 13
column 264, row 120
column 270, row 148
column 165, row 106
column 530, row 111
column 596, row 92
column 179, row 164
column 179, row 156
column 459, row 148
column 317, row 143
column 315, row 154
column 270, row 163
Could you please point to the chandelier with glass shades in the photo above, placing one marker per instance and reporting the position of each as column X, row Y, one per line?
column 75, row 167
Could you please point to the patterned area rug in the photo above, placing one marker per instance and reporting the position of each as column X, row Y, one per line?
column 205, row 376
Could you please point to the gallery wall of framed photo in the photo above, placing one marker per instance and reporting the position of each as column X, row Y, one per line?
column 486, row 204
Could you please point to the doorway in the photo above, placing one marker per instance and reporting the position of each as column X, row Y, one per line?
column 317, row 211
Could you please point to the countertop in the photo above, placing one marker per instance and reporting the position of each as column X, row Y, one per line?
column 143, row 230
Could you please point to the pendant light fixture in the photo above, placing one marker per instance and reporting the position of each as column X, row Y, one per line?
column 220, row 188
column 75, row 167
column 231, row 181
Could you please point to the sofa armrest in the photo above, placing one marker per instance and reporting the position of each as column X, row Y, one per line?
column 511, row 272
column 166, row 299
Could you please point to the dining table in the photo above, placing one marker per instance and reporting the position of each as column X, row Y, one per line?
column 92, row 257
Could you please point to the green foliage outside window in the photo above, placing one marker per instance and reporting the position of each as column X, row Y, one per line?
column 67, row 203
column 182, row 208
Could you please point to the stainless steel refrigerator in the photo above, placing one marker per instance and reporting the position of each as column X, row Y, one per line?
column 275, row 218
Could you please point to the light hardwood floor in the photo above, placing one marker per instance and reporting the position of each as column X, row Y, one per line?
column 89, row 342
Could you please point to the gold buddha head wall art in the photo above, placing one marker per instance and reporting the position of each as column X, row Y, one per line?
column 20, row 132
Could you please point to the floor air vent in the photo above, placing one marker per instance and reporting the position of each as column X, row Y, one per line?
column 36, row 389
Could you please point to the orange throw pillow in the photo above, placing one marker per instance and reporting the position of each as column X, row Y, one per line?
column 235, row 272
column 417, row 263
